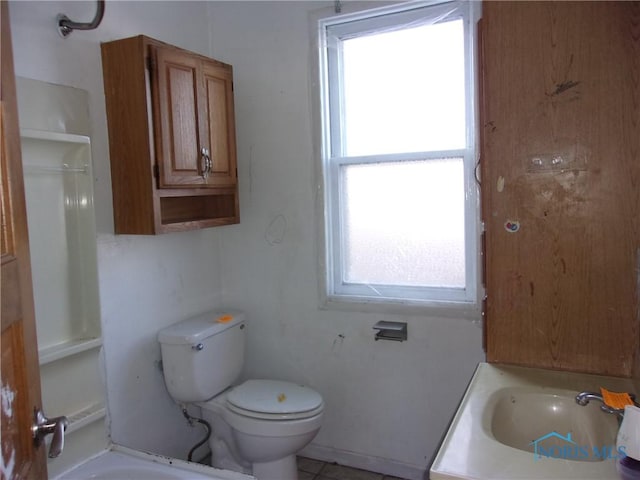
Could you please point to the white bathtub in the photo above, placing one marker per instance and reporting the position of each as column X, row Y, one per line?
column 121, row 463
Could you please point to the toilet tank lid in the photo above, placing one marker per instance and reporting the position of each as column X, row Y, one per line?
column 195, row 329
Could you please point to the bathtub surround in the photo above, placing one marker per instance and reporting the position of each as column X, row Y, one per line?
column 58, row 184
column 387, row 403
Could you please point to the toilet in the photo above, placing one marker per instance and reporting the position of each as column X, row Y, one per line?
column 258, row 426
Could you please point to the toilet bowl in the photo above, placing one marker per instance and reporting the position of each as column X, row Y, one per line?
column 268, row 422
column 258, row 426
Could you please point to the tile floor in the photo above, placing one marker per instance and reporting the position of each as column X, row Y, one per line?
column 309, row 469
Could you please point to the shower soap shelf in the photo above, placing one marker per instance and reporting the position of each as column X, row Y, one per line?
column 59, row 194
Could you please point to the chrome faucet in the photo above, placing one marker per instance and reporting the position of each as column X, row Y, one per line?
column 583, row 398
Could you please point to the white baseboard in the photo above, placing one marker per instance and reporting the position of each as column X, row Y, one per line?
column 385, row 466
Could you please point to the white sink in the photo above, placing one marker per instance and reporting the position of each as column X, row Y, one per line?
column 520, row 416
column 517, row 423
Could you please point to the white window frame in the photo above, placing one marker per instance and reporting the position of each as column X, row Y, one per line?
column 331, row 31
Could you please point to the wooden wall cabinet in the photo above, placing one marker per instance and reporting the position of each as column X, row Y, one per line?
column 560, row 82
column 170, row 116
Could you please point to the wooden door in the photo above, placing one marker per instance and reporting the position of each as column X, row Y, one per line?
column 179, row 123
column 220, row 125
column 561, row 184
column 20, row 369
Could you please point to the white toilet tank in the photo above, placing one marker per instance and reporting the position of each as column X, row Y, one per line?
column 203, row 355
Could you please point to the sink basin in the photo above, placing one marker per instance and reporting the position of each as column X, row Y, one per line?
column 525, row 419
column 507, row 408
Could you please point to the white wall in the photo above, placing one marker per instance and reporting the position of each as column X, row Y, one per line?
column 146, row 283
column 387, row 403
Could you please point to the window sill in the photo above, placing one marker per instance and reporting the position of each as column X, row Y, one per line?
column 461, row 310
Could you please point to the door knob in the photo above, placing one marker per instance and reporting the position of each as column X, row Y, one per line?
column 44, row 426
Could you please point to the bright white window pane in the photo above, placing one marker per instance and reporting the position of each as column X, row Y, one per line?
column 404, row 90
column 403, row 223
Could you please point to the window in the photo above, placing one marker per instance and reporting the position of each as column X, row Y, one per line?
column 398, row 148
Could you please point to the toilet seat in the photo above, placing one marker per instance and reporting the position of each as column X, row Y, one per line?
column 274, row 400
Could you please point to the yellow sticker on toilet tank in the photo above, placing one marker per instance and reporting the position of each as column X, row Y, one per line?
column 282, row 397
column 224, row 318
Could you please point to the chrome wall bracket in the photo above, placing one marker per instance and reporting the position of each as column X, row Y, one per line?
column 66, row 25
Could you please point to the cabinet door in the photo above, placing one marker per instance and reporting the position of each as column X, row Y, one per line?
column 220, row 131
column 178, row 124
column 563, row 290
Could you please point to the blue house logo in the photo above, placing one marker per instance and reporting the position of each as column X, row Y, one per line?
column 539, row 450
column 565, row 447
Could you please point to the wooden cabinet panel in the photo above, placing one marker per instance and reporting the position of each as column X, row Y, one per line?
column 196, row 120
column 131, row 135
column 177, row 78
column 561, row 110
column 220, row 109
column 171, row 133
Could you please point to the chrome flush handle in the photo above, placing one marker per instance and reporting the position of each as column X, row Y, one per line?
column 44, row 426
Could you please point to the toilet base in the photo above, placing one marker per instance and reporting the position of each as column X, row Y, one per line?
column 283, row 469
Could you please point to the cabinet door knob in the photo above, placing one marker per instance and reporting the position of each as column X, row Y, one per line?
column 206, row 162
